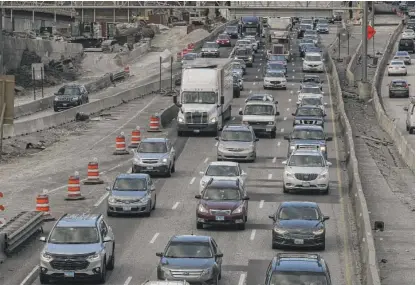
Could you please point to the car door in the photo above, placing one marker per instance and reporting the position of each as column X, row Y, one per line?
column 104, row 233
column 216, row 250
column 268, row 274
column 152, row 190
column 172, row 152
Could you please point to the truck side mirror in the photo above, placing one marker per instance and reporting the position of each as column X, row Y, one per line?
column 240, row 112
column 286, row 138
column 175, row 100
column 222, row 100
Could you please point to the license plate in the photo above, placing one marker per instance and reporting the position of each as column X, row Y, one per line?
column 219, row 218
column 64, row 105
column 306, row 184
column 149, row 167
column 70, row 274
column 268, row 129
column 298, row 241
column 196, row 131
column 126, row 208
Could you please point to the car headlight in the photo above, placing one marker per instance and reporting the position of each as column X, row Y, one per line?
column 297, row 121
column 46, row 256
column 145, row 199
column 221, row 147
column 213, row 120
column 164, row 160
column 74, row 99
column 202, row 209
column 266, row 81
column 207, row 271
column 323, row 148
column 288, row 174
column 111, row 199
column 271, row 123
column 323, row 175
column 181, row 120
column 56, row 98
column 238, row 210
column 280, row 231
column 203, row 183
column 136, row 160
column 93, row 257
column 318, row 232
column 235, row 57
column 250, row 58
column 165, row 270
column 292, row 147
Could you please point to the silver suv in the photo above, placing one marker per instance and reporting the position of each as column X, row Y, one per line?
column 154, row 156
column 237, row 142
column 79, row 246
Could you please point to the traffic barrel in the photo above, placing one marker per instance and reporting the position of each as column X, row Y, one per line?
column 135, row 138
column 2, row 208
column 74, row 188
column 121, row 145
column 42, row 205
column 191, row 46
column 154, row 124
column 184, row 51
column 93, row 174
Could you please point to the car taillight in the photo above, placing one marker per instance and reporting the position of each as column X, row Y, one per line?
column 406, row 86
column 218, row 41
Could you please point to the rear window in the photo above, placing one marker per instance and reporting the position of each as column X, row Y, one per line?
column 399, row 84
column 406, row 41
column 223, row 37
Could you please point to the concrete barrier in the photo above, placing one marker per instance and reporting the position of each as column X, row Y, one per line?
column 368, row 260
column 140, row 49
column 352, row 64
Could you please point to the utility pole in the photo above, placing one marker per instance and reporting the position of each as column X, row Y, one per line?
column 373, row 24
column 364, row 48
column 1, row 43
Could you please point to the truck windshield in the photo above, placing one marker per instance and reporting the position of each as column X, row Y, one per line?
column 241, row 52
column 295, row 278
column 199, row 97
column 308, row 135
column 259, row 110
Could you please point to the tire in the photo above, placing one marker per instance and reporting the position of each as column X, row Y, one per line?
column 326, row 191
column 180, row 134
column 264, row 87
column 169, row 172
column 322, row 247
column 173, row 167
column 390, row 95
column 273, row 135
column 285, row 190
column 199, row 225
column 154, row 206
column 284, row 88
column 43, row 279
column 55, row 109
column 103, row 276
column 242, row 226
column 109, row 214
column 110, row 265
column 275, row 246
column 412, row 131
column 407, row 127
column 216, row 281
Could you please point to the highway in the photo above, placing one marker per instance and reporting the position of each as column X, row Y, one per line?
column 394, row 106
column 246, row 254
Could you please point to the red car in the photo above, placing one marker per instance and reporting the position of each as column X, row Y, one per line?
column 222, row 202
column 224, row 40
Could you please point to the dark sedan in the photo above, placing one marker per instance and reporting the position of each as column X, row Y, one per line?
column 399, row 88
column 298, row 224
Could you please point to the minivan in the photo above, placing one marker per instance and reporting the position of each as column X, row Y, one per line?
column 406, row 45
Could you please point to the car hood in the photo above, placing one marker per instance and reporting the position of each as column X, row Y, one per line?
column 186, row 263
column 206, row 178
column 128, row 194
column 275, row 78
column 209, row 49
column 308, row 142
column 151, row 155
column 299, row 169
column 299, row 224
column 313, row 62
column 258, row 118
column 71, row 249
column 221, row 205
column 309, row 118
column 210, row 108
column 235, row 144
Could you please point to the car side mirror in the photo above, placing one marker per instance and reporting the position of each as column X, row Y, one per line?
column 325, row 218
column 286, row 138
column 256, row 139
column 198, row 196
column 284, row 162
column 406, row 108
column 298, row 91
column 293, row 114
column 107, row 188
column 160, row 254
column 107, row 239
column 272, row 217
column 329, row 139
column 219, row 255
column 240, row 112
column 201, row 173
column 246, row 198
column 217, row 138
column 42, row 239
column 277, row 114
column 328, row 163
column 243, row 173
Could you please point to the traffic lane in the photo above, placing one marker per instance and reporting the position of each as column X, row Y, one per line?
column 394, row 106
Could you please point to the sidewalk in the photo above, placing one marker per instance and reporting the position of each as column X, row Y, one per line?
column 387, row 183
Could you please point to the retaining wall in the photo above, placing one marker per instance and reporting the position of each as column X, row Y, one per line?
column 122, row 58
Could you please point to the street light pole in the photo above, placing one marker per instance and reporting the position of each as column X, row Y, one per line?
column 1, row 43
column 364, row 48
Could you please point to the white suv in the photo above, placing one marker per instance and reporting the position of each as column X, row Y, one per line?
column 306, row 169
column 410, row 116
column 313, row 62
column 221, row 170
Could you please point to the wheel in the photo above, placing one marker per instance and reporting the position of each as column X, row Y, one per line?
column 273, row 135
column 169, row 172
column 407, row 127
column 88, row 99
column 390, row 95
column 326, row 191
column 264, row 87
column 173, row 168
column 285, row 190
column 412, row 131
column 109, row 214
column 133, row 170
column 199, row 225
column 110, row 266
column 242, row 89
column 284, row 88
column 180, row 134
column 154, row 205
column 103, row 276
column 275, row 246
column 55, row 109
column 43, row 279
column 219, row 276
column 245, row 219
column 219, row 159
column 242, row 226
column 321, row 247
column 216, row 281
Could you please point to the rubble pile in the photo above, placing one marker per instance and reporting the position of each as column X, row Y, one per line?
column 55, row 71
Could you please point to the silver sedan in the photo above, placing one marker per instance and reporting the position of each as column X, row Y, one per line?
column 397, row 67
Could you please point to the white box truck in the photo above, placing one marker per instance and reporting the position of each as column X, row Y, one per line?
column 205, row 96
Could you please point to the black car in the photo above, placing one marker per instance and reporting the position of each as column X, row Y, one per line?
column 406, row 45
column 236, row 86
column 298, row 224
column 298, row 268
column 303, row 28
column 232, row 31
column 69, row 96
column 399, row 88
column 309, row 115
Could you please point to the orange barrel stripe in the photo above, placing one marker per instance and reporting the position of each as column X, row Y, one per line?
column 136, row 136
column 154, row 123
column 120, row 143
column 74, row 188
column 1, row 206
column 93, row 172
column 42, row 203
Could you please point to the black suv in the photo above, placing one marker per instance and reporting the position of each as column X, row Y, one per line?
column 406, row 45
column 70, row 96
column 298, row 268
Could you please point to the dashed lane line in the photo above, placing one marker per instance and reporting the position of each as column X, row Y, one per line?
column 175, row 206
column 192, row 181
column 252, row 236
column 128, row 280
column 261, row 204
column 154, row 238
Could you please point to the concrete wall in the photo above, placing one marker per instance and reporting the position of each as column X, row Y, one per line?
column 47, row 50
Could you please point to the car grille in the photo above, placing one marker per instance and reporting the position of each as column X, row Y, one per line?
column 306, row 176
column 196, row 117
column 125, row 201
column 302, row 234
column 220, row 212
column 150, row 161
column 313, row 65
column 258, row 123
column 183, row 273
column 275, row 82
column 309, row 122
column 235, row 149
column 65, row 98
column 70, row 262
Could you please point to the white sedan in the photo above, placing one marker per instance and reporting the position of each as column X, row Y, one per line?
column 397, row 67
column 221, row 170
column 408, row 34
column 274, row 80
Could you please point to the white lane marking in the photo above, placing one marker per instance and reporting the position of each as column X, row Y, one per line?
column 175, row 205
column 290, row 99
column 293, row 84
column 252, row 236
column 269, row 176
column 250, row 91
column 29, row 276
column 294, row 70
column 254, row 83
column 216, row 144
column 293, row 64
column 192, row 180
column 261, row 204
column 274, row 160
column 154, row 238
column 98, row 203
column 282, row 130
column 285, row 118
column 258, row 69
column 257, row 76
column 126, row 123
column 288, row 109
column 278, row 143
column 206, row 160
column 242, row 279
column 127, row 282
column 233, row 118
column 260, row 63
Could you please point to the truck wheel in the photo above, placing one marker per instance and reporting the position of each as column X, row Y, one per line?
column 407, row 127
column 273, row 135
column 43, row 279
column 180, row 134
column 412, row 131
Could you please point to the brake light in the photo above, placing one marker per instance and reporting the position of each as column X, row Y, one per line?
column 218, row 41
column 406, row 86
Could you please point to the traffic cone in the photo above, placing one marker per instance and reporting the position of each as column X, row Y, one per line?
column 135, row 138
column 74, row 188
column 93, row 174
column 121, row 145
column 154, row 124
column 42, row 205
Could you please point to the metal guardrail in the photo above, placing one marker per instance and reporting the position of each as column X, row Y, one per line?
column 19, row 229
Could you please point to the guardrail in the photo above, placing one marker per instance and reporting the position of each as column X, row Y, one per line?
column 19, row 229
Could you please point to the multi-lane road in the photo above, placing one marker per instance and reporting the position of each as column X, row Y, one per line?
column 247, row 253
column 394, row 106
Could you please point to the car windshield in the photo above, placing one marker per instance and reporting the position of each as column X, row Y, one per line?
column 401, row 57
column 322, row 25
column 397, row 63
column 311, row 101
column 313, row 58
column 231, row 29
column 74, row 235
column 221, row 194
column 312, row 90
column 405, row 41
column 275, row 66
column 277, row 58
column 210, row 45
column 259, row 110
column 199, row 97
column 130, row 184
column 188, row 250
column 260, row 97
column 243, row 43
column 298, row 213
column 314, row 112
column 312, row 79
column 69, row 91
column 408, row 31
column 223, row 37
column 271, row 73
column 310, row 36
column 241, row 52
column 222, row 170
column 189, row 56
column 152, row 147
column 309, row 47
column 236, row 65
column 306, row 160
column 300, row 134
column 296, row 278
column 399, row 84
column 305, row 27
column 240, row 136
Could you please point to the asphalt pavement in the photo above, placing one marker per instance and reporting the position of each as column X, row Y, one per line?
column 246, row 254
column 394, row 106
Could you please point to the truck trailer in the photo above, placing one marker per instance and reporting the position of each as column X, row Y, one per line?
column 250, row 25
column 205, row 97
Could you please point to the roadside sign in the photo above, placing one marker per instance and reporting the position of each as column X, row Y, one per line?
column 38, row 71
column 370, row 32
